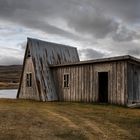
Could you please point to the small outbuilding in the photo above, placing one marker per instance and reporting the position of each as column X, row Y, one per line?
column 53, row 72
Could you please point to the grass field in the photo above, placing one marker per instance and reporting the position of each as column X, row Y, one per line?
column 32, row 120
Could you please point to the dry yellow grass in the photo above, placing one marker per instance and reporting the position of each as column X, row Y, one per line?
column 32, row 120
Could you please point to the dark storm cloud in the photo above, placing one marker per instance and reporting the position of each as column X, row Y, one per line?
column 84, row 16
column 125, row 34
column 32, row 14
column 87, row 21
column 91, row 53
column 94, row 23
column 125, row 9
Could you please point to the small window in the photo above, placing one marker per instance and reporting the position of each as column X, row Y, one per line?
column 28, row 53
column 29, row 79
column 66, row 80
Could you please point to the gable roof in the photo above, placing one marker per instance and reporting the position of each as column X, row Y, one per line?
column 53, row 53
column 44, row 54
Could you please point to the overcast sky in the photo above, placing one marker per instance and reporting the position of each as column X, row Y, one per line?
column 98, row 28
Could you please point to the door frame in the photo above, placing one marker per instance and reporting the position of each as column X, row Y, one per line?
column 106, row 84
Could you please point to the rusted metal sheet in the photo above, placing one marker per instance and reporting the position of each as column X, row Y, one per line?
column 44, row 54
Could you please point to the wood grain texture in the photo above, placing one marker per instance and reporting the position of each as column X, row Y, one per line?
column 44, row 54
column 49, row 62
column 84, row 82
column 133, row 82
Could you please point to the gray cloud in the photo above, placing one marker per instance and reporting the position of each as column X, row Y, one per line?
column 112, row 22
column 134, row 49
column 89, row 53
column 127, row 10
column 22, row 45
column 94, row 23
column 10, row 60
column 86, row 17
column 32, row 14
column 124, row 48
column 124, row 34
column 134, row 52
column 10, row 55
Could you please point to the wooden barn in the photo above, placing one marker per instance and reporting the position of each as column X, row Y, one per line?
column 53, row 72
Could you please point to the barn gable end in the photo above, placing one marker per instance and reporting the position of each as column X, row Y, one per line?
column 43, row 54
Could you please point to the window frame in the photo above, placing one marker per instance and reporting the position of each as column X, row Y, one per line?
column 29, row 79
column 66, row 80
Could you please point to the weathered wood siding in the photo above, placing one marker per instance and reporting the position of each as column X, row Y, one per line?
column 133, row 83
column 44, row 54
column 84, row 82
column 29, row 92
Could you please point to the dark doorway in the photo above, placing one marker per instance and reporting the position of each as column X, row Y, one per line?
column 103, row 87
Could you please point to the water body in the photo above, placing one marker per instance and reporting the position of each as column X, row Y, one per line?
column 10, row 93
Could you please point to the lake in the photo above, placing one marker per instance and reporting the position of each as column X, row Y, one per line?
column 11, row 93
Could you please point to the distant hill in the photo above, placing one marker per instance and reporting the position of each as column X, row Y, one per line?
column 10, row 76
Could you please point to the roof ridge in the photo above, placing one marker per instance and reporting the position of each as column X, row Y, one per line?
column 54, row 43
